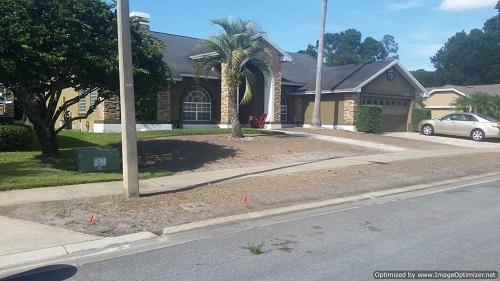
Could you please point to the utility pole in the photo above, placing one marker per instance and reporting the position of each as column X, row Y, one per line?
column 127, row 103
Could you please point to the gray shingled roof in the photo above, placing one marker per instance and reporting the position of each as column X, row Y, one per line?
column 178, row 51
column 301, row 71
column 346, row 77
column 298, row 70
column 493, row 89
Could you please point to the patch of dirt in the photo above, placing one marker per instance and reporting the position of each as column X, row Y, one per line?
column 116, row 215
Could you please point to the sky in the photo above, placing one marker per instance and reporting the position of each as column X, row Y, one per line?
column 420, row 27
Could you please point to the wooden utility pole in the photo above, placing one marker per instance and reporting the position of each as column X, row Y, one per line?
column 127, row 103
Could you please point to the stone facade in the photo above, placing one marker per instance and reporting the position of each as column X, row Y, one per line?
column 163, row 106
column 276, row 68
column 110, row 109
column 351, row 101
column 225, row 102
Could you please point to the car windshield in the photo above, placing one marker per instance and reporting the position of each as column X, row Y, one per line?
column 489, row 118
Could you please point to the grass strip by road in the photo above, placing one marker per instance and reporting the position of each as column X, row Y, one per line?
column 28, row 169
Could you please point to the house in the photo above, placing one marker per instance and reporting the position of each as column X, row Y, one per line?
column 440, row 98
column 6, row 105
column 287, row 96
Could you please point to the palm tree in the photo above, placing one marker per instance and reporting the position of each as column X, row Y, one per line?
column 316, row 120
column 479, row 102
column 236, row 49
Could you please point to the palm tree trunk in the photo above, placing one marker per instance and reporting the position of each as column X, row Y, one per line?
column 236, row 131
column 316, row 120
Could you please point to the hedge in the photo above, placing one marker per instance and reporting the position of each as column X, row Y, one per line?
column 369, row 118
column 418, row 114
column 16, row 136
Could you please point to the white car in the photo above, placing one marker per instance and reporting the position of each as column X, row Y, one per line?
column 476, row 126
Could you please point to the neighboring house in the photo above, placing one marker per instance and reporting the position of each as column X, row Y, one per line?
column 287, row 96
column 440, row 98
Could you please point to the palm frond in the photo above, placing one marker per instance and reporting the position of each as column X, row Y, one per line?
column 250, row 85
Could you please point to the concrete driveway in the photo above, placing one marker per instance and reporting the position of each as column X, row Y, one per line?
column 451, row 140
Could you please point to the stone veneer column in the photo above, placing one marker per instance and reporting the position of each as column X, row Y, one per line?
column 351, row 101
column 163, row 111
column 276, row 68
column 110, row 109
column 225, row 102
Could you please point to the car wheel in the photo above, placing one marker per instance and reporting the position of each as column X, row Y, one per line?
column 477, row 135
column 427, row 129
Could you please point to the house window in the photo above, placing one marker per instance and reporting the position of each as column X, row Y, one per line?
column 196, row 105
column 93, row 97
column 82, row 104
column 284, row 109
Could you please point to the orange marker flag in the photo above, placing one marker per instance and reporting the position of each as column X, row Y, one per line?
column 91, row 218
column 244, row 199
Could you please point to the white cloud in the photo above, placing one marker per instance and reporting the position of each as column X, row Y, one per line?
column 403, row 6
column 462, row 5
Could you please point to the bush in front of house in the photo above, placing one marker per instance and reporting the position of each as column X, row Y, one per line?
column 369, row 118
column 16, row 136
column 418, row 114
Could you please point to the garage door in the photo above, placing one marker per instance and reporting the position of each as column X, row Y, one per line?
column 394, row 112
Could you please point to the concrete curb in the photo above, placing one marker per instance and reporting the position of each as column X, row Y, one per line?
column 27, row 258
column 313, row 205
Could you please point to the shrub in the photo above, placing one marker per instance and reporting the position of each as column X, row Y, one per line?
column 16, row 136
column 418, row 114
column 369, row 118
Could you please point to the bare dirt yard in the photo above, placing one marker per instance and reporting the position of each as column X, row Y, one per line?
column 115, row 215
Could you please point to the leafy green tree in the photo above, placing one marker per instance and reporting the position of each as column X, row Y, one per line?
column 391, row 48
column 471, row 59
column 346, row 47
column 47, row 46
column 426, row 78
column 311, row 50
column 239, row 55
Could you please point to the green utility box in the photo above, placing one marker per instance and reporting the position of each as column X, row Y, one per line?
column 97, row 159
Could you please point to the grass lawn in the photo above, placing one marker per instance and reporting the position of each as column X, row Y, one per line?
column 27, row 169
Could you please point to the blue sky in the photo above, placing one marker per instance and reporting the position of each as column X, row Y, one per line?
column 420, row 27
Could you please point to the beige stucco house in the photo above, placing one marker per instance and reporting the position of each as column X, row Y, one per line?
column 441, row 98
column 287, row 96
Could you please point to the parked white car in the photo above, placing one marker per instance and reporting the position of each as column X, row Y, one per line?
column 476, row 126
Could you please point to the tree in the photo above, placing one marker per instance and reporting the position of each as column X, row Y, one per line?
column 311, row 50
column 316, row 119
column 426, row 78
column 391, row 48
column 346, row 47
column 470, row 59
column 479, row 102
column 47, row 46
column 239, row 55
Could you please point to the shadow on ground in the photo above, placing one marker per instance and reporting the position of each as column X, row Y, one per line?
column 56, row 272
column 180, row 155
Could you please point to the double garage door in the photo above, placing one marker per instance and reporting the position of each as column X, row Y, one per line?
column 394, row 112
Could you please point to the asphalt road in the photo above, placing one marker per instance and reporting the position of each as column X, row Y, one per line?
column 446, row 228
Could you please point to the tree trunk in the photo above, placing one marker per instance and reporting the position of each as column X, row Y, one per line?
column 47, row 138
column 236, row 131
column 316, row 120
column 44, row 130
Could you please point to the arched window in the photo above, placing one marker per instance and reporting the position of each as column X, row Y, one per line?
column 196, row 105
column 284, row 109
